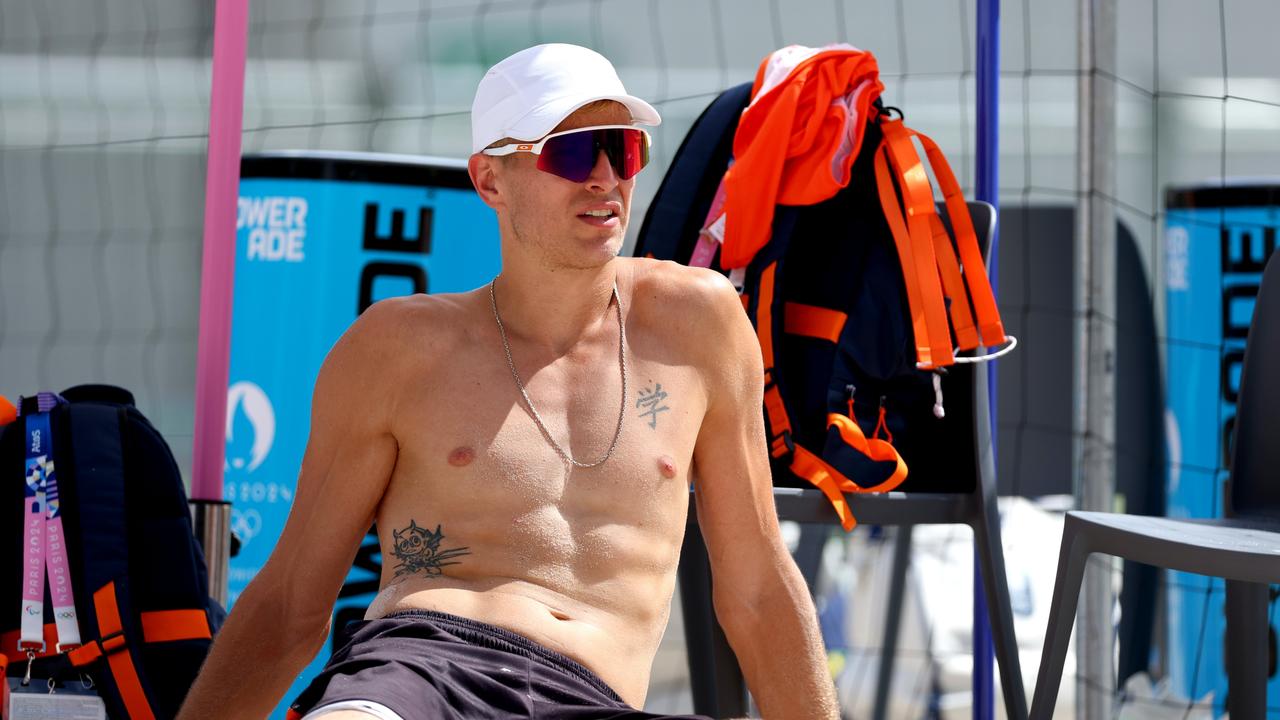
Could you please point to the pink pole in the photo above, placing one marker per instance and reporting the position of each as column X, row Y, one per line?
column 217, row 278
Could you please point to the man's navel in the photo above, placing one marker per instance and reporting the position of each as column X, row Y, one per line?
column 667, row 466
column 461, row 456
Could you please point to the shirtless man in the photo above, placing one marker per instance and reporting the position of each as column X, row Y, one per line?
column 529, row 533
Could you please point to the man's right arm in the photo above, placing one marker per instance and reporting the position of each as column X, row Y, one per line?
column 282, row 618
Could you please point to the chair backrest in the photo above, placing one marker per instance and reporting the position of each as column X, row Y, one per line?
column 1255, row 452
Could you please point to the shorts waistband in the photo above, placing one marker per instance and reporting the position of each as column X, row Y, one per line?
column 498, row 638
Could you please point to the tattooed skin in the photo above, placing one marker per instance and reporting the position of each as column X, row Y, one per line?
column 418, row 550
column 651, row 400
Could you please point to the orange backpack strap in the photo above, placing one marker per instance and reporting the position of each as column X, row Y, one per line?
column 984, row 301
column 833, row 483
column 827, row 479
column 917, row 197
column 953, row 284
column 169, row 625
column 874, row 448
column 813, row 321
column 115, row 647
column 902, row 241
column 775, row 410
column 825, row 324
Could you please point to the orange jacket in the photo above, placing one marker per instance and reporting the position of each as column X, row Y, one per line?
column 796, row 141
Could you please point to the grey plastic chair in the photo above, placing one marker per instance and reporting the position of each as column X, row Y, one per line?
column 1243, row 549
column 717, row 683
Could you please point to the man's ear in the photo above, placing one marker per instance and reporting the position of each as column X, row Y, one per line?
column 484, row 171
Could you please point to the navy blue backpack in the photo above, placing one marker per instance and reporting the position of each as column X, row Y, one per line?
column 846, row 406
column 138, row 573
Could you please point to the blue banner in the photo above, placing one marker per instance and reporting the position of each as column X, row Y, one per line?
column 311, row 253
column 1216, row 246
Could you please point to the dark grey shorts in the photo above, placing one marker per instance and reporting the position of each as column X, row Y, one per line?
column 426, row 664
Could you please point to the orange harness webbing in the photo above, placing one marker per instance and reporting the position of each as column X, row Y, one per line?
column 813, row 321
column 929, row 262
column 157, row 626
column 933, row 346
column 825, row 324
column 4, row 686
column 984, row 301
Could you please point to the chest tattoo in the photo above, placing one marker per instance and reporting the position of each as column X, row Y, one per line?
column 418, row 551
column 652, row 401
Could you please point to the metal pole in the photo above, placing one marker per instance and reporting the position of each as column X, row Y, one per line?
column 988, row 189
column 1093, row 447
column 222, row 179
column 212, row 522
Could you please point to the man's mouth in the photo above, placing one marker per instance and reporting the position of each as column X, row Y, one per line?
column 601, row 217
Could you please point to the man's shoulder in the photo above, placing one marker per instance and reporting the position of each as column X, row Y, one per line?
column 667, row 287
column 696, row 309
column 412, row 327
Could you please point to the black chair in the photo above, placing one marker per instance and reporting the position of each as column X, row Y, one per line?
column 717, row 683
column 1034, row 429
column 1243, row 548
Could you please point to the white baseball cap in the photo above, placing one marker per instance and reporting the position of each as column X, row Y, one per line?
column 527, row 95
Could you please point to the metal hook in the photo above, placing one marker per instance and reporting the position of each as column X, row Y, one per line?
column 31, row 659
column 52, row 685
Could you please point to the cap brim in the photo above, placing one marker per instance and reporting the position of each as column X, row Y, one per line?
column 542, row 120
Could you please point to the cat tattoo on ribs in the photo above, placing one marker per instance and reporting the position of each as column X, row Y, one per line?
column 418, row 550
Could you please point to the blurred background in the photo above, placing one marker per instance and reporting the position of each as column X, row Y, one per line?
column 104, row 111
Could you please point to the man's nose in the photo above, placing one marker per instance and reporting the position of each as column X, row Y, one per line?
column 603, row 177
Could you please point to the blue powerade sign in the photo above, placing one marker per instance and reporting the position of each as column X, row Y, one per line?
column 319, row 238
column 1217, row 242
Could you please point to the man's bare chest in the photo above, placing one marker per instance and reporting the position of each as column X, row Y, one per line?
column 472, row 450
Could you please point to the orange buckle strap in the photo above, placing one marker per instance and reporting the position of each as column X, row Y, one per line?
column 874, row 448
column 114, row 645
column 775, row 409
column 10, row 641
column 168, row 625
column 779, row 423
column 917, row 196
column 902, row 241
column 832, row 482
column 827, row 479
column 813, row 321
column 4, row 682
column 984, row 302
column 764, row 314
column 953, row 284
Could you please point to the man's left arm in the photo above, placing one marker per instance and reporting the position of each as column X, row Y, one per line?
column 759, row 595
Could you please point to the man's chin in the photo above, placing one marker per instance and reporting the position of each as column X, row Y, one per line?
column 596, row 255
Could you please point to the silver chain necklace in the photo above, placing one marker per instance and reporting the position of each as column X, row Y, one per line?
column 622, row 362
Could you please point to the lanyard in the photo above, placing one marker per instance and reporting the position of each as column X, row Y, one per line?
column 44, row 544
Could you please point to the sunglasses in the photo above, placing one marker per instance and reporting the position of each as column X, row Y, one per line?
column 572, row 154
